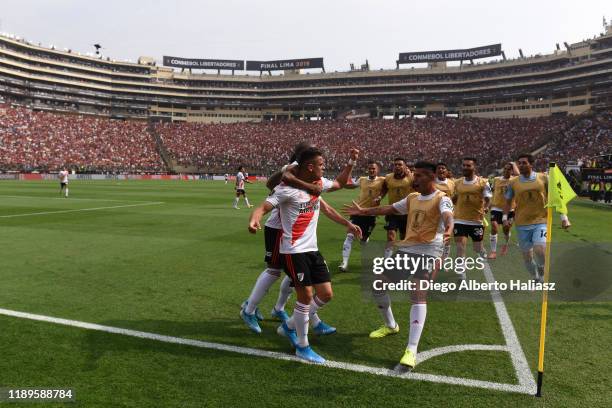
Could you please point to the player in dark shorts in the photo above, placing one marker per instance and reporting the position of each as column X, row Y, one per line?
column 370, row 189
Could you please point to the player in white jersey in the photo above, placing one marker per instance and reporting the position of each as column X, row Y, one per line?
column 226, row 178
column 302, row 261
column 272, row 232
column 63, row 177
column 241, row 178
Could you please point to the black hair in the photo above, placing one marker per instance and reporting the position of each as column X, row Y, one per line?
column 298, row 149
column 425, row 165
column 308, row 154
column 527, row 156
column 399, row 159
column 441, row 164
column 240, row 168
column 470, row 158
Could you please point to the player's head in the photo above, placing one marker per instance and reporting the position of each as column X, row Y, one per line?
column 298, row 149
column 525, row 163
column 441, row 170
column 372, row 169
column 311, row 163
column 468, row 166
column 241, row 168
column 399, row 166
column 423, row 177
column 507, row 170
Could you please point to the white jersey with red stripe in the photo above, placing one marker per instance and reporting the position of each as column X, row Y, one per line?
column 299, row 215
column 240, row 181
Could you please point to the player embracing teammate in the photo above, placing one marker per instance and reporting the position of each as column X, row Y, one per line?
column 301, row 259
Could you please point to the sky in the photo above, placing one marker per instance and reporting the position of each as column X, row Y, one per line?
column 340, row 31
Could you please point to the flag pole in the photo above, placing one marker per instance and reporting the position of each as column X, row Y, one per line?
column 549, row 213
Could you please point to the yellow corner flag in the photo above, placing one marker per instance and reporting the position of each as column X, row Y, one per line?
column 559, row 190
column 559, row 194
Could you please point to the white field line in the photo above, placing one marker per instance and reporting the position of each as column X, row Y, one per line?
column 272, row 354
column 426, row 355
column 74, row 198
column 523, row 373
column 79, row 210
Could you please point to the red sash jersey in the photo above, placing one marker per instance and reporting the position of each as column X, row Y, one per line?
column 299, row 215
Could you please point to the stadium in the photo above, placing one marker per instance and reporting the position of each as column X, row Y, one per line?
column 130, row 285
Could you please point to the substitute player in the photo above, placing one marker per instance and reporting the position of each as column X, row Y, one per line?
column 529, row 191
column 397, row 185
column 430, row 222
column 370, row 189
column 445, row 184
column 472, row 197
column 500, row 184
column 240, row 191
column 63, row 177
column 272, row 233
column 302, row 260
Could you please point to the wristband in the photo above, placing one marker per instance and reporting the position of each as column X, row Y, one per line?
column 352, row 162
column 504, row 217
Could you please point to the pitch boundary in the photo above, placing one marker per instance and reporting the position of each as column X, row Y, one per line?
column 513, row 388
column 81, row 209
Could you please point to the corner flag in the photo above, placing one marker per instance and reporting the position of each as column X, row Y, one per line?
column 559, row 194
column 559, row 190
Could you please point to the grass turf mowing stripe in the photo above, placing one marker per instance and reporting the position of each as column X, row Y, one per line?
column 271, row 354
column 79, row 210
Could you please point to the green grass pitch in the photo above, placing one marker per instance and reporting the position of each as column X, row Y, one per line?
column 174, row 258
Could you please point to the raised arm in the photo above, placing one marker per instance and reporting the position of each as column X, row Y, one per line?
column 344, row 176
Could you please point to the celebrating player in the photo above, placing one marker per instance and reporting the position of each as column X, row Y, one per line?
column 240, row 191
column 430, row 222
column 272, row 235
column 63, row 177
column 370, row 189
column 302, row 261
column 472, row 196
column 497, row 208
column 529, row 191
column 398, row 185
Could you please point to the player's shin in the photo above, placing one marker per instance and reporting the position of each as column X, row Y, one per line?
column 283, row 294
column 265, row 280
column 418, row 313
column 346, row 250
column 301, row 317
column 383, row 301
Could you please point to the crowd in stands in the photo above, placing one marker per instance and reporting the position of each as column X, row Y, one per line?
column 585, row 143
column 266, row 146
column 42, row 141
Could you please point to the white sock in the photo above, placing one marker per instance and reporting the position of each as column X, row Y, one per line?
column 66, row 191
column 246, row 200
column 493, row 243
column 446, row 252
column 315, row 305
column 236, row 202
column 507, row 237
column 418, row 313
column 388, row 252
column 383, row 301
column 300, row 317
column 531, row 267
column 263, row 283
column 346, row 248
column 283, row 294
